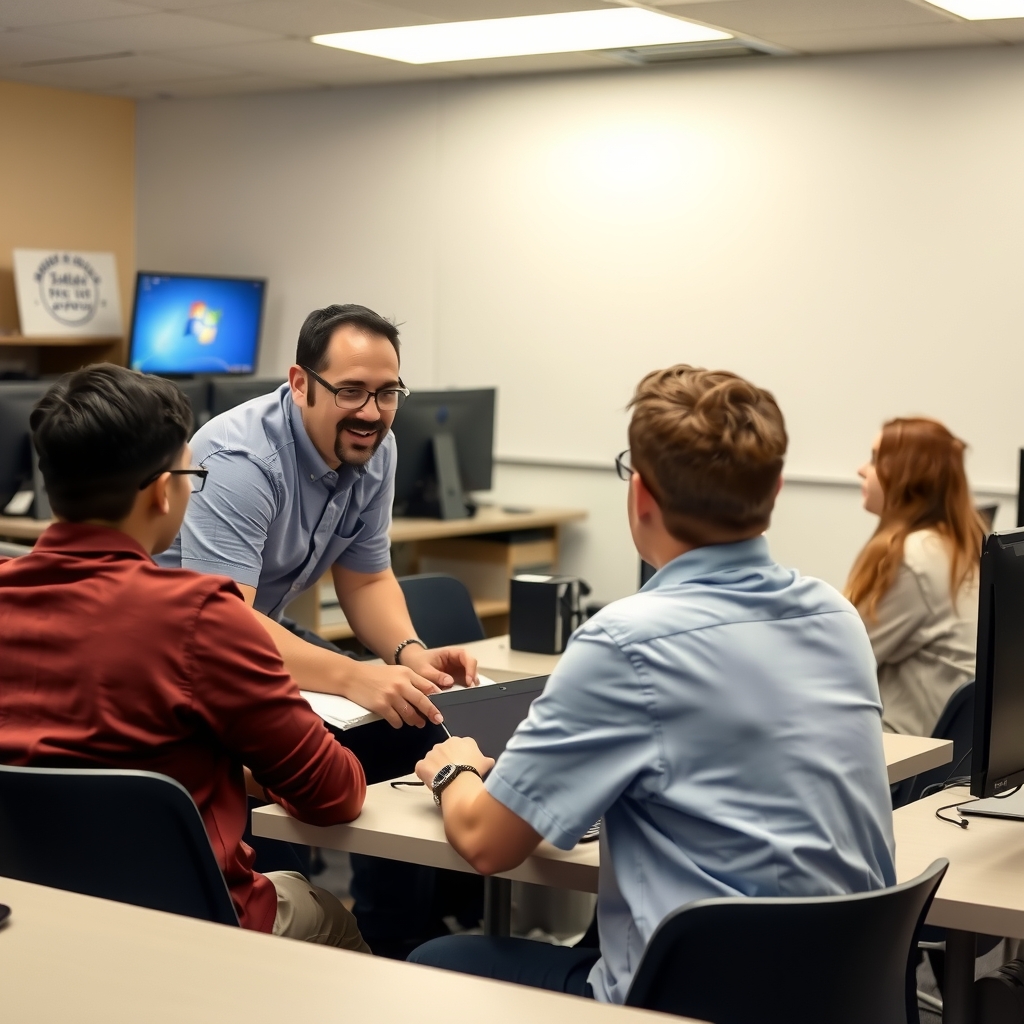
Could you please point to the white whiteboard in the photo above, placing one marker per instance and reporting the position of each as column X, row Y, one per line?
column 847, row 231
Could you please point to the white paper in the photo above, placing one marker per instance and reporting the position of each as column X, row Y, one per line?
column 344, row 714
column 68, row 294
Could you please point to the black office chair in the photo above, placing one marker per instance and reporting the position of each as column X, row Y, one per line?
column 131, row 836
column 441, row 609
column 841, row 959
column 956, row 723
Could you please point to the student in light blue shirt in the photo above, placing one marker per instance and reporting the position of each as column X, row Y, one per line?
column 724, row 722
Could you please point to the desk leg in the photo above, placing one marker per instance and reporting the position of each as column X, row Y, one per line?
column 497, row 906
column 958, row 990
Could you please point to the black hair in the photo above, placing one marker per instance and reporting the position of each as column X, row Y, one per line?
column 316, row 330
column 101, row 432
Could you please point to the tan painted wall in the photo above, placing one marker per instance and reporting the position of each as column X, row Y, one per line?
column 67, row 180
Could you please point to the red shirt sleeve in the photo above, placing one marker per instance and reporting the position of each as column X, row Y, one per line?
column 244, row 693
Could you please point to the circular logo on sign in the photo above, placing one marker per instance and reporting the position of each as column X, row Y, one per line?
column 69, row 288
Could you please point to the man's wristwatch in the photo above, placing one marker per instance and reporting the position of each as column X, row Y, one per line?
column 445, row 776
column 405, row 643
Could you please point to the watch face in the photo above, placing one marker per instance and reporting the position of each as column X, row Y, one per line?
column 443, row 774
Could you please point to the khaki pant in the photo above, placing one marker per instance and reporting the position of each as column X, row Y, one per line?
column 312, row 914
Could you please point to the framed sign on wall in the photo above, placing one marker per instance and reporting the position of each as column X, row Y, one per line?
column 66, row 293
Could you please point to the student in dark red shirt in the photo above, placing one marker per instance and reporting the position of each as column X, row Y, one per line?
column 108, row 660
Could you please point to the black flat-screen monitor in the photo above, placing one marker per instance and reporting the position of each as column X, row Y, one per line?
column 187, row 324
column 226, row 393
column 445, row 449
column 17, row 399
column 997, row 759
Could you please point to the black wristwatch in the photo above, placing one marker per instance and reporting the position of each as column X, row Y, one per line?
column 445, row 776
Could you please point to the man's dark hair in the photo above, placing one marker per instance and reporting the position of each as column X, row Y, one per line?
column 100, row 433
column 317, row 328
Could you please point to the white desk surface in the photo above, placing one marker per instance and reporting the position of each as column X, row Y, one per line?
column 65, row 957
column 910, row 755
column 983, row 890
column 405, row 824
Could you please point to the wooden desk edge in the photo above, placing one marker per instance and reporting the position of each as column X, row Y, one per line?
column 922, row 761
column 558, row 871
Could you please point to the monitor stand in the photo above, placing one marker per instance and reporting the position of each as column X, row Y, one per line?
column 442, row 496
column 997, row 807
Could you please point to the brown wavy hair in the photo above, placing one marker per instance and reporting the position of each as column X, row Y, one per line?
column 709, row 446
column 920, row 467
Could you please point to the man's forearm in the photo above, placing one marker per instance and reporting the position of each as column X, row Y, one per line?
column 312, row 667
column 377, row 613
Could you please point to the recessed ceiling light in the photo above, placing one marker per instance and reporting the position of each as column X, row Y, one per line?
column 516, row 37
column 982, row 10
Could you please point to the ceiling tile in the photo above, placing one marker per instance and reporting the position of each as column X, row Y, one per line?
column 767, row 19
column 305, row 18
column 106, row 74
column 21, row 47
column 468, row 10
column 152, row 31
column 233, row 85
column 24, row 13
column 902, row 37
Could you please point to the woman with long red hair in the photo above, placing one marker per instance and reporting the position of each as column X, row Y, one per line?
column 915, row 583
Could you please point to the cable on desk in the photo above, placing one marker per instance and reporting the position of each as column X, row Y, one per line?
column 405, row 782
column 960, row 821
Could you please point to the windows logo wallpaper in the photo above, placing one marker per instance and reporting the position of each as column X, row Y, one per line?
column 185, row 325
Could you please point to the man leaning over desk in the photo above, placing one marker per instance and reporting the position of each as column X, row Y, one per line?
column 301, row 483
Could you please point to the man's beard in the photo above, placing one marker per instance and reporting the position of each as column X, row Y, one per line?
column 363, row 455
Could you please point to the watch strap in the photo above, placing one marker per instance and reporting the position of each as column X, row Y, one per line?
column 446, row 775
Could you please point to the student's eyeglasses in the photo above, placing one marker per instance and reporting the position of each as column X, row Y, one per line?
column 352, row 399
column 622, row 465
column 200, row 474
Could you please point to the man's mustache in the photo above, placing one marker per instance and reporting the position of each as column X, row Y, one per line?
column 351, row 423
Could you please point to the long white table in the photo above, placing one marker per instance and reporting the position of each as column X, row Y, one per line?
column 982, row 893
column 65, row 957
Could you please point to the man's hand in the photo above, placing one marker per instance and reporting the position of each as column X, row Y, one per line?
column 443, row 666
column 457, row 750
column 395, row 693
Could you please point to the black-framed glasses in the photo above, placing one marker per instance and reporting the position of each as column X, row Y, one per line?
column 199, row 474
column 623, row 466
column 352, row 399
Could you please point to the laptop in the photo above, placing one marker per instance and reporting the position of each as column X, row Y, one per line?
column 489, row 714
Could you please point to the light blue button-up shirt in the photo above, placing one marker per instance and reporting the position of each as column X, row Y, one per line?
column 273, row 515
column 726, row 724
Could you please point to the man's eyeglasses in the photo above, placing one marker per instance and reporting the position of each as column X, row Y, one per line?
column 200, row 474
column 352, row 399
column 623, row 466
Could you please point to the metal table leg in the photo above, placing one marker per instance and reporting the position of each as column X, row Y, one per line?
column 958, row 988
column 497, row 906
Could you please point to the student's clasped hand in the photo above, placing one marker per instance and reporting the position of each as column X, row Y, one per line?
column 457, row 750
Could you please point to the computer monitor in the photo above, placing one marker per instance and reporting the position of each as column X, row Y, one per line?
column 226, row 393
column 17, row 398
column 997, row 760
column 184, row 324
column 445, row 449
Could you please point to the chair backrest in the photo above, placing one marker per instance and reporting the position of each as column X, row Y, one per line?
column 441, row 609
column 956, row 723
column 131, row 836
column 841, row 959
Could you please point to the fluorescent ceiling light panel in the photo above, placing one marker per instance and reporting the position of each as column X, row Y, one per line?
column 982, row 10
column 613, row 29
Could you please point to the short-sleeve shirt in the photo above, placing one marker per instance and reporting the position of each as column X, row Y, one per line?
column 725, row 723
column 273, row 515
